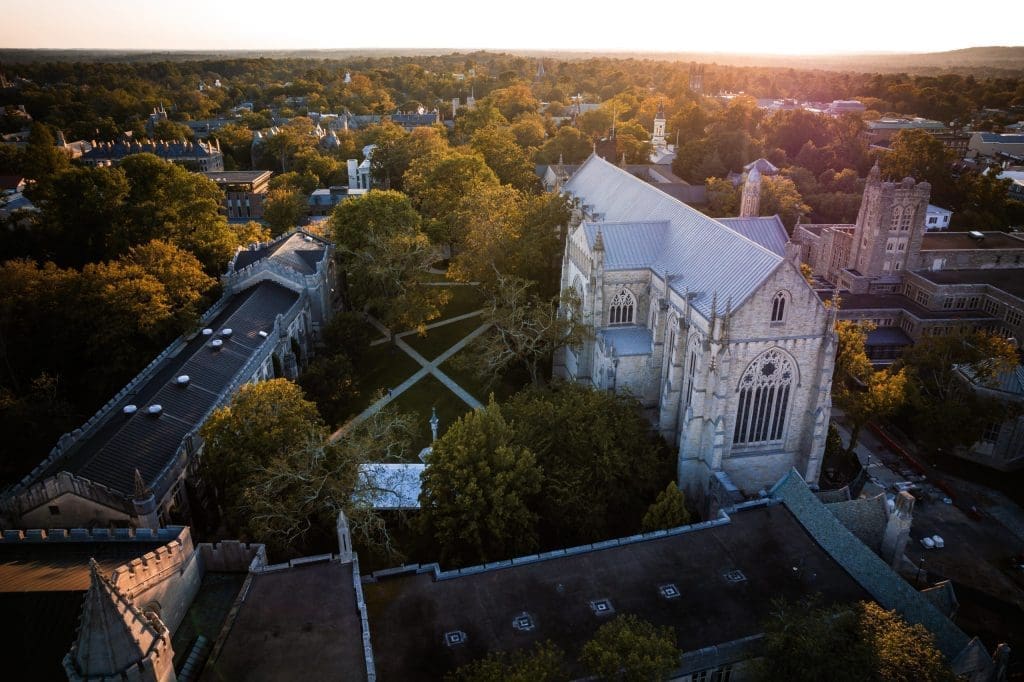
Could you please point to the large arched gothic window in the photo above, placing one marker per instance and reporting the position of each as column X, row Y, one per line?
column 908, row 218
column 779, row 307
column 764, row 390
column 622, row 308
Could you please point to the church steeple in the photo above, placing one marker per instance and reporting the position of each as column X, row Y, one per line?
column 658, row 137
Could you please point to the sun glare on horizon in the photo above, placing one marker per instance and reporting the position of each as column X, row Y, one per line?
column 744, row 27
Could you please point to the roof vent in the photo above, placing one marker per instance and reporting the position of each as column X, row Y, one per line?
column 182, row 380
column 974, row 234
column 217, row 343
column 602, row 607
column 263, row 334
column 129, row 409
column 668, row 591
column 207, row 332
column 455, row 638
column 523, row 622
column 735, row 576
column 226, row 331
column 155, row 410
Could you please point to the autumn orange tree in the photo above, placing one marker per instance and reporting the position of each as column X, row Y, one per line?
column 862, row 392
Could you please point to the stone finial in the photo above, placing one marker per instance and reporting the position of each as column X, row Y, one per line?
column 875, row 174
column 141, row 491
column 598, row 241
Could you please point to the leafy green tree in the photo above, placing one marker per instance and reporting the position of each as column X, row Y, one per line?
column 847, row 642
column 634, row 141
column 494, row 218
column 922, row 156
column 723, row 198
column 478, row 489
column 780, row 196
column 331, row 382
column 791, row 129
column 529, row 131
column 181, row 275
column 285, row 210
column 172, row 130
column 667, row 511
column 861, row 392
column 545, row 662
column 384, row 258
column 505, row 157
column 468, row 121
column 587, row 440
column 293, row 181
column 42, row 157
column 568, row 145
column 942, row 410
column 279, row 479
column 514, row 101
column 165, row 201
column 81, row 210
column 396, row 149
column 439, row 184
column 631, row 649
column 525, row 330
column 327, row 169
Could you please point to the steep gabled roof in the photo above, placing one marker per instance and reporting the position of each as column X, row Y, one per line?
column 768, row 231
column 700, row 255
column 885, row 585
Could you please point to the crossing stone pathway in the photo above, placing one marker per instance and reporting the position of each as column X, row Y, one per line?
column 426, row 366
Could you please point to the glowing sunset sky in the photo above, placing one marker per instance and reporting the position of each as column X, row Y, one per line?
column 764, row 26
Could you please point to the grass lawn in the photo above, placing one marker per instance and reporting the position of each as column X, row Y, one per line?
column 464, row 376
column 426, row 393
column 464, row 299
column 440, row 339
column 383, row 367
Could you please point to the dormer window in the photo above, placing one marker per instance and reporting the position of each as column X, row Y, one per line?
column 622, row 308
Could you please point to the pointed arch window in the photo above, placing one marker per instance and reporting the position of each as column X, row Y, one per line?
column 779, row 307
column 764, row 389
column 897, row 214
column 622, row 308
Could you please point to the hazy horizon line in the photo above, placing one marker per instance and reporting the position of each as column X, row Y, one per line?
column 457, row 50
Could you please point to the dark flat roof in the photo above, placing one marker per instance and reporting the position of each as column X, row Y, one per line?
column 111, row 454
column 1010, row 281
column 298, row 623
column 957, row 241
column 888, row 336
column 850, row 301
column 410, row 615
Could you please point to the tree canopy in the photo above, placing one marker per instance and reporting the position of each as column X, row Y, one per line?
column 630, row 649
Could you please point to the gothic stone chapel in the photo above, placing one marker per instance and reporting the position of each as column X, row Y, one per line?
column 719, row 336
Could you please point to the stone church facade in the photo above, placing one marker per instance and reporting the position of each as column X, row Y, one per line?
column 721, row 339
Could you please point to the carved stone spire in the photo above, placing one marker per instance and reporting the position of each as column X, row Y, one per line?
column 141, row 492
column 115, row 638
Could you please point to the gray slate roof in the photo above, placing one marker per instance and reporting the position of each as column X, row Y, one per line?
column 628, row 340
column 300, row 251
column 873, row 574
column 768, row 231
column 864, row 517
column 700, row 254
column 112, row 454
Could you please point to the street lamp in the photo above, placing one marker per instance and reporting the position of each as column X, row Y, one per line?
column 434, row 421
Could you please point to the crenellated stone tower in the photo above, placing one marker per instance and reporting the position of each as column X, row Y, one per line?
column 890, row 225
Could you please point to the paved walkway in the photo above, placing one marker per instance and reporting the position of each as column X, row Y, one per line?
column 426, row 367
